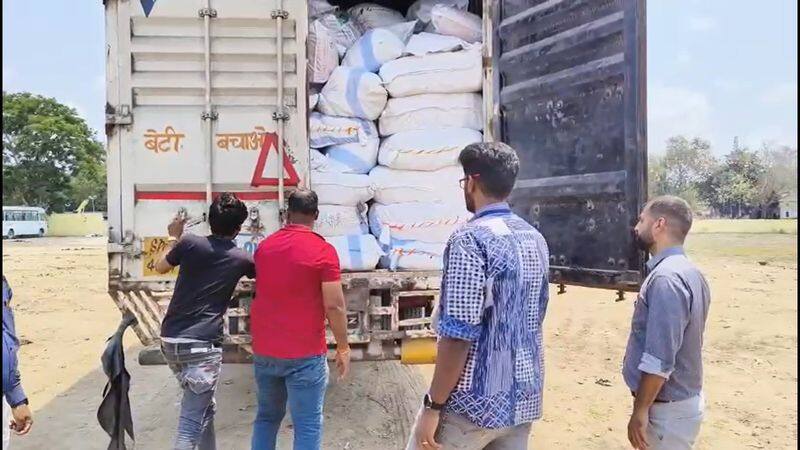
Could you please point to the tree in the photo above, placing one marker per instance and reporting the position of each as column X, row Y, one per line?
column 778, row 177
column 685, row 164
column 50, row 155
column 732, row 188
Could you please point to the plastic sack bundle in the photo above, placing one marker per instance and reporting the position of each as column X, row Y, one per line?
column 320, row 162
column 417, row 221
column 344, row 30
column 436, row 73
column 340, row 220
column 324, row 130
column 403, row 186
column 317, row 8
column 456, row 22
column 356, row 252
column 323, row 55
column 414, row 255
column 346, row 189
column 353, row 92
column 426, row 150
column 421, row 9
column 358, row 157
column 426, row 43
column 431, row 111
column 370, row 16
column 313, row 99
column 373, row 49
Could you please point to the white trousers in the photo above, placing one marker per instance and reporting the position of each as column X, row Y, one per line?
column 6, row 421
column 675, row 425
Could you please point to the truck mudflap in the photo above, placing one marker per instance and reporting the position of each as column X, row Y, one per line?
column 390, row 316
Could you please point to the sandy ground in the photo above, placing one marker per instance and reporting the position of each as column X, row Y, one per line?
column 64, row 316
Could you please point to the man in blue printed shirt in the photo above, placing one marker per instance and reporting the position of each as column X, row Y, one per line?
column 487, row 385
column 12, row 387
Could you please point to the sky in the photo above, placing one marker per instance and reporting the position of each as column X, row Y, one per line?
column 716, row 68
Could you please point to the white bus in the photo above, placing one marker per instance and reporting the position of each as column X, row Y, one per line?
column 24, row 221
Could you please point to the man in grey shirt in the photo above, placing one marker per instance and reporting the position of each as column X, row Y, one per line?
column 663, row 364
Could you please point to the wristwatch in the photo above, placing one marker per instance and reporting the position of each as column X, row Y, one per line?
column 428, row 403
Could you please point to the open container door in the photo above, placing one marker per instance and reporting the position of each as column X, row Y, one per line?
column 569, row 95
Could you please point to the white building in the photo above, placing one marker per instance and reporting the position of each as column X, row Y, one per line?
column 788, row 206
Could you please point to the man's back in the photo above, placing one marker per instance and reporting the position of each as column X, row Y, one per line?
column 495, row 295
column 288, row 315
column 210, row 268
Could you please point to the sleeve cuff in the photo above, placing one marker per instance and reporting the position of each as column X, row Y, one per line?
column 453, row 328
column 16, row 395
column 652, row 365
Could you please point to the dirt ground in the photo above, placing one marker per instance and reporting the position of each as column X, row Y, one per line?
column 64, row 316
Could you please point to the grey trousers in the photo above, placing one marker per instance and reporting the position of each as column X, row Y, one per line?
column 458, row 433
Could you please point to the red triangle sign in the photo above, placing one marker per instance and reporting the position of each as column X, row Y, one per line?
column 270, row 142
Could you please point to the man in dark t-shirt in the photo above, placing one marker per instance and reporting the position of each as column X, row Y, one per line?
column 192, row 329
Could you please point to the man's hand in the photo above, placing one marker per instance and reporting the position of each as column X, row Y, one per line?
column 175, row 228
column 343, row 362
column 637, row 429
column 22, row 420
column 426, row 430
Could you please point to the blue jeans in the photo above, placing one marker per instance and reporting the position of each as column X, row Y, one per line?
column 197, row 367
column 300, row 381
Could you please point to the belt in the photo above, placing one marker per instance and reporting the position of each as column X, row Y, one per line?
column 189, row 346
column 654, row 401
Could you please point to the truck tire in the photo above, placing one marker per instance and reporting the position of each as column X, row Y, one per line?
column 11, row 234
column 41, row 232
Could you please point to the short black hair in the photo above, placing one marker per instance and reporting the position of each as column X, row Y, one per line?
column 226, row 214
column 677, row 212
column 495, row 163
column 303, row 201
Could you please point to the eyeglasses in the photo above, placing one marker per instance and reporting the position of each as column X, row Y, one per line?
column 463, row 182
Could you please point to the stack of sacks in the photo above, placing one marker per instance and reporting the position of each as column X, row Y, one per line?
column 343, row 137
column 434, row 111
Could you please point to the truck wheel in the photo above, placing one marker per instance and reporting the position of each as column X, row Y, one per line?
column 41, row 232
column 11, row 234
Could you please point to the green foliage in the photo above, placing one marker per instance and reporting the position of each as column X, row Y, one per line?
column 50, row 155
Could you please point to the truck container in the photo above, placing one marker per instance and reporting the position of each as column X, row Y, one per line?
column 205, row 96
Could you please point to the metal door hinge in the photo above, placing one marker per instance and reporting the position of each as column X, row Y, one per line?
column 282, row 13
column 119, row 115
column 280, row 114
column 210, row 12
column 209, row 115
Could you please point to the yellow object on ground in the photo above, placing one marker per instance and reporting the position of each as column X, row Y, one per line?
column 72, row 224
column 418, row 351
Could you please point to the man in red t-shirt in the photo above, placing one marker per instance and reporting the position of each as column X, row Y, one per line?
column 298, row 286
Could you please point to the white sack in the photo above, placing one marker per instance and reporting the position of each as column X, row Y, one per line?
column 345, row 189
column 431, row 111
column 321, row 163
column 404, row 30
column 436, row 73
column 359, row 157
column 323, row 55
column 338, row 220
column 356, row 252
column 425, row 43
column 317, row 8
column 402, row 186
column 353, row 93
column 455, row 22
column 343, row 29
column 417, row 221
column 414, row 255
column 371, row 15
column 421, row 9
column 427, row 149
column 373, row 49
column 324, row 130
